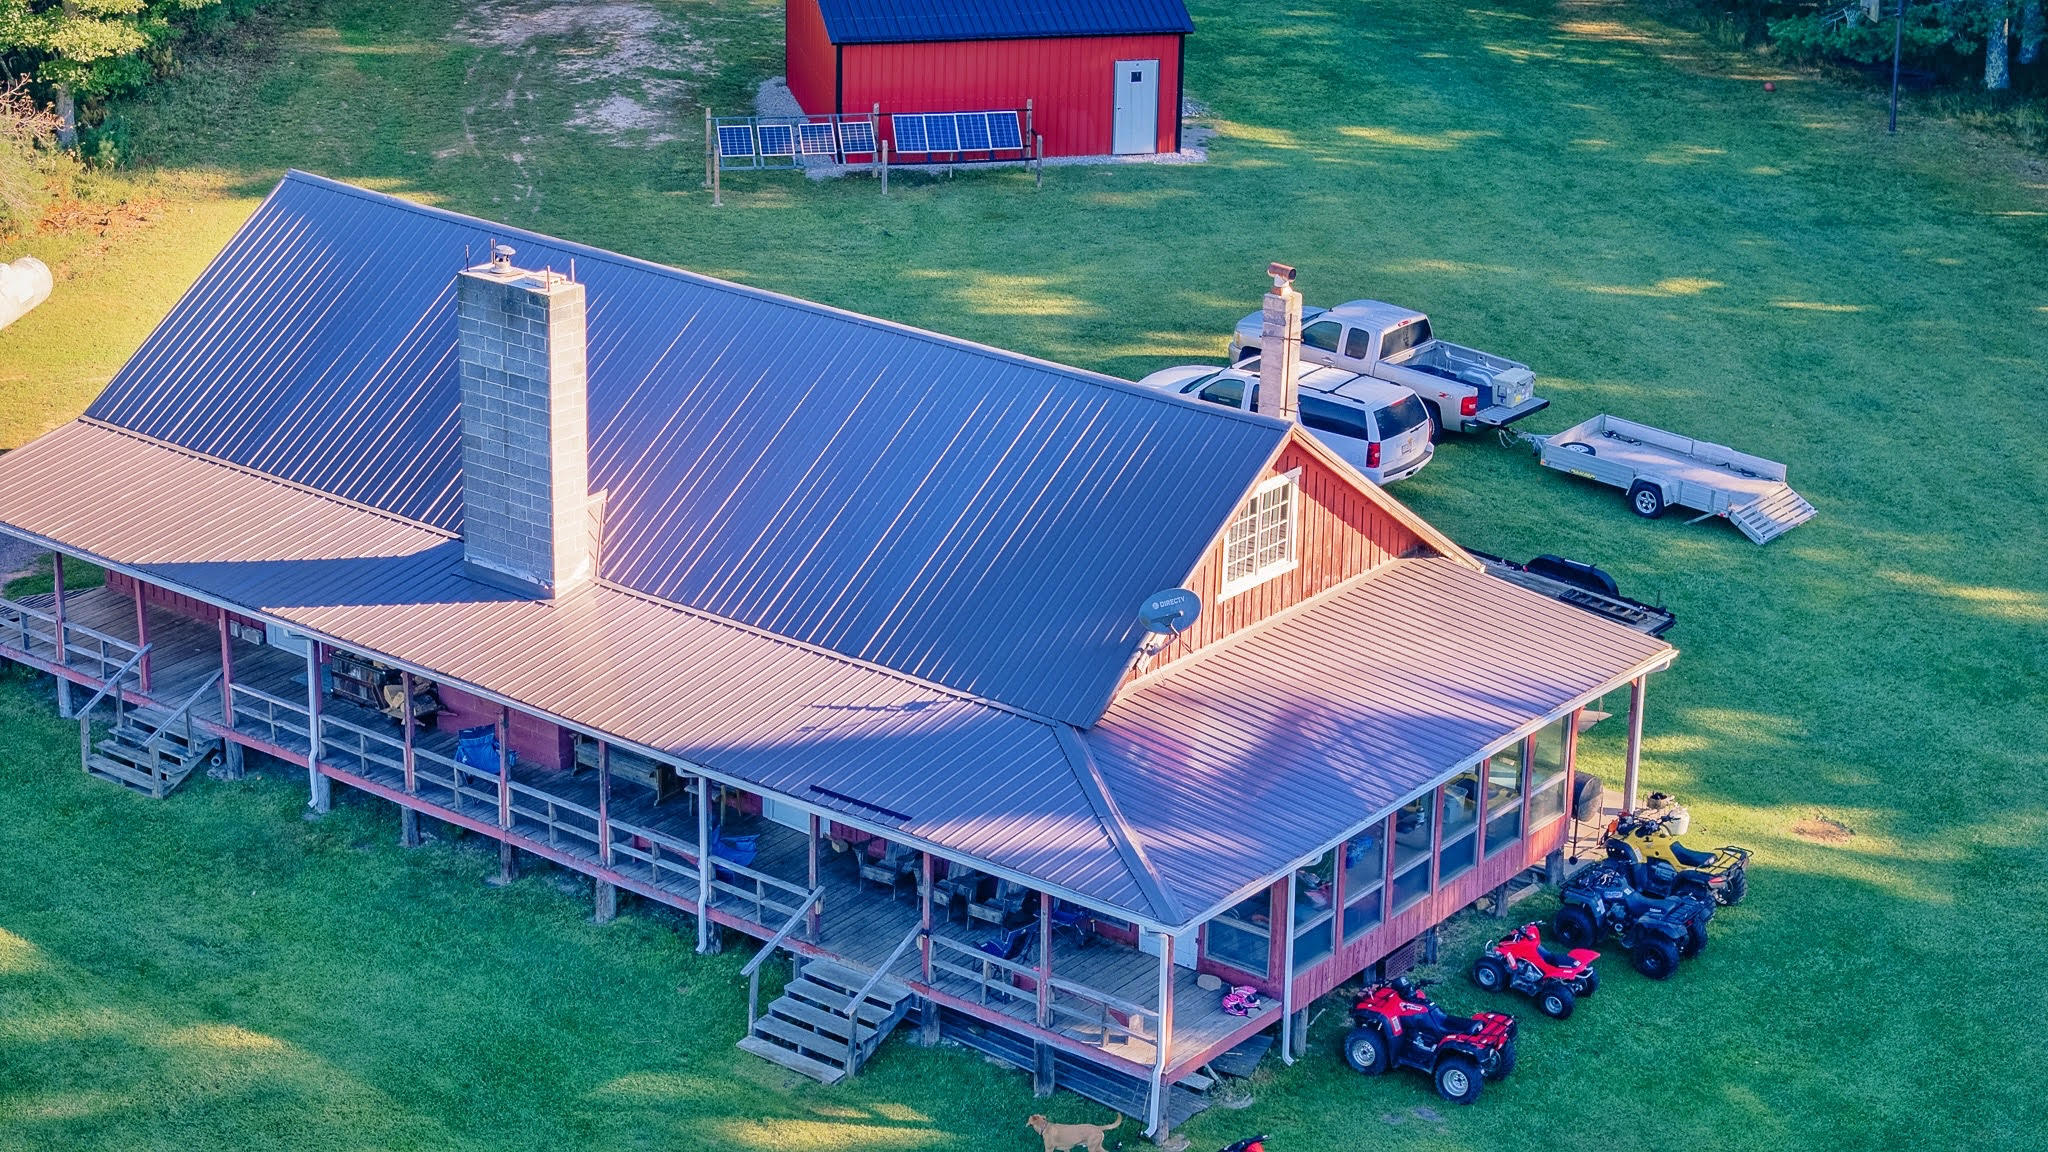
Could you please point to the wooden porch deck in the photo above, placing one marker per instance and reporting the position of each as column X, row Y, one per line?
column 1103, row 998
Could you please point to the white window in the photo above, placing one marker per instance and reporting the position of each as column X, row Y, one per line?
column 1259, row 544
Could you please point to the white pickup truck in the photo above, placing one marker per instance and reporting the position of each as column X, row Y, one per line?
column 1463, row 388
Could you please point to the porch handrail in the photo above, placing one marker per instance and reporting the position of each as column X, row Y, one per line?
column 1108, row 999
column 183, row 713
column 753, row 969
column 85, row 714
column 861, row 997
column 274, row 701
column 113, row 680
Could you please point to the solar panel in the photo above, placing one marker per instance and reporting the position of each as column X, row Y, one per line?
column 778, row 140
column 857, row 135
column 940, row 134
column 735, row 141
column 973, row 131
column 909, row 133
column 1003, row 133
column 817, row 139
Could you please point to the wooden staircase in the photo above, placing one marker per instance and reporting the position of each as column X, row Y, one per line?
column 150, row 753
column 823, row 1026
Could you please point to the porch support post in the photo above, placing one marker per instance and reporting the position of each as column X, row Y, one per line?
column 406, row 722
column 814, row 916
column 63, row 649
column 1044, row 959
column 1156, row 1118
column 1635, row 742
column 317, row 785
column 705, row 869
column 229, row 747
column 924, row 914
column 508, row 856
column 142, row 638
column 604, row 803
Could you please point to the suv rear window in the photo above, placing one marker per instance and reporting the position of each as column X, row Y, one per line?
column 1400, row 416
column 1336, row 419
column 1403, row 338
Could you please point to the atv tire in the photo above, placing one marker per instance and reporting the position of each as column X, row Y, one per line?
column 1657, row 959
column 1738, row 887
column 1507, row 1062
column 1695, row 940
column 1457, row 1078
column 1555, row 1000
column 1490, row 974
column 1575, row 927
column 1590, row 984
column 1367, row 1051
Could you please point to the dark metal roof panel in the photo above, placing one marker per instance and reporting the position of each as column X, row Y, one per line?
column 905, row 21
column 1245, row 759
column 965, row 515
column 977, row 780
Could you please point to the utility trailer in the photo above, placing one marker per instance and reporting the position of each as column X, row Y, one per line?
column 1659, row 469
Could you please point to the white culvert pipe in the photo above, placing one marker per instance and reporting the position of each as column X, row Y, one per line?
column 24, row 284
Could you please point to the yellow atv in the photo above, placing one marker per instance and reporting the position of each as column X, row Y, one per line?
column 1645, row 843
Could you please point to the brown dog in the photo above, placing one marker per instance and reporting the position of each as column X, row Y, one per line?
column 1059, row 1137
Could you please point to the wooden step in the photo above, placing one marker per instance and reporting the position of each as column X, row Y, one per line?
column 848, row 981
column 835, row 1001
column 816, row 1019
column 774, row 1053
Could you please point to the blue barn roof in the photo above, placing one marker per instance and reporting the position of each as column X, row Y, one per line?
column 909, row 21
column 972, row 517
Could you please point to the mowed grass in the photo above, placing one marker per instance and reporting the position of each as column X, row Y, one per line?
column 1566, row 183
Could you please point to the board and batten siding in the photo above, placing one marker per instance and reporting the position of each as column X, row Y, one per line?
column 1340, row 533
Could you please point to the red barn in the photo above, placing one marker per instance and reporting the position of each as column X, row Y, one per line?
column 1100, row 76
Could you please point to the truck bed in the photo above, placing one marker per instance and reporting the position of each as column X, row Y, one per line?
column 1711, row 478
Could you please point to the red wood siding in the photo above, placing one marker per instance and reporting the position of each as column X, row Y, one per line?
column 537, row 741
column 174, row 602
column 1342, row 532
column 1071, row 83
column 812, row 64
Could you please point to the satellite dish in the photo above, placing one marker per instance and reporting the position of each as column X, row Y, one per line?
column 1170, row 612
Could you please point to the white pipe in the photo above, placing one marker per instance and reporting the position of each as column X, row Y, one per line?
column 24, row 284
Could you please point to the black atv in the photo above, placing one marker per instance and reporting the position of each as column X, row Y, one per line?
column 1657, row 932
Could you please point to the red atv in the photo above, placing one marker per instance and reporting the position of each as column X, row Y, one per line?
column 1396, row 1026
column 1520, row 962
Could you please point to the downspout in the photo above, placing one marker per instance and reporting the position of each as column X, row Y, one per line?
column 1287, row 975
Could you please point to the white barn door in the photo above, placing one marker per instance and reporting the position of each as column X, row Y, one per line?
column 1137, row 107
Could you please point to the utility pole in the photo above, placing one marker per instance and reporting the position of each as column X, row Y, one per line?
column 1898, row 42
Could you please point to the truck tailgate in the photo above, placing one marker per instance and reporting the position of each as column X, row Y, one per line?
column 1501, row 415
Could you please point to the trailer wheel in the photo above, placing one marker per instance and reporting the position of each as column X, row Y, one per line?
column 1646, row 500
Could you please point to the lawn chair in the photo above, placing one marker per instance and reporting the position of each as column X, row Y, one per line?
column 1004, row 908
column 896, row 864
column 1073, row 924
column 476, row 749
column 959, row 888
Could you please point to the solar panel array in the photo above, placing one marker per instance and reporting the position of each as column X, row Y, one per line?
column 779, row 142
column 956, row 133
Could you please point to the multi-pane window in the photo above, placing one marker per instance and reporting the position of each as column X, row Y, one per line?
column 1413, row 838
column 1546, row 772
column 1315, row 912
column 1259, row 544
column 1504, row 799
column 1460, row 842
column 1365, row 874
column 1242, row 937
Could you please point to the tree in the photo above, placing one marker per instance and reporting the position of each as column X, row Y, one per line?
column 2030, row 31
column 85, row 49
column 1997, row 47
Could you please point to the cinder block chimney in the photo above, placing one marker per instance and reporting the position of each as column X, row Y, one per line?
column 1280, row 346
column 527, row 516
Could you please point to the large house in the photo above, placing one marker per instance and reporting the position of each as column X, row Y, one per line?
column 819, row 628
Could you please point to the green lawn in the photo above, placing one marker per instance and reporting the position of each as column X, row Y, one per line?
column 1567, row 183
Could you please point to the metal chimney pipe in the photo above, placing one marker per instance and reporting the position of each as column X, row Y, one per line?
column 1280, row 347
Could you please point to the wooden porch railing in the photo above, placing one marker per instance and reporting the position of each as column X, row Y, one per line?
column 861, row 997
column 354, row 748
column 111, row 688
column 664, row 856
column 758, row 895
column 565, row 822
column 1009, row 980
column 23, row 625
column 753, row 969
column 182, row 721
column 271, row 717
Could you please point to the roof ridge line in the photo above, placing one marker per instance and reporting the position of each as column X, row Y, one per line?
column 1259, row 628
column 961, row 343
column 1129, row 844
column 259, row 474
column 829, row 653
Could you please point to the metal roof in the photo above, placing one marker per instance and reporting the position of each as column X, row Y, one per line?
column 754, row 708
column 967, row 516
column 1232, row 766
column 902, row 21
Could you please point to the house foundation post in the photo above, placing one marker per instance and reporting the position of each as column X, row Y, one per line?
column 1634, row 762
column 924, row 913
column 508, row 864
column 604, row 802
column 607, row 899
column 409, row 827
column 1042, row 1070
column 318, row 786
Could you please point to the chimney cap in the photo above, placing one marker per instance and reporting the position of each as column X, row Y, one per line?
column 1282, row 274
column 501, row 254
